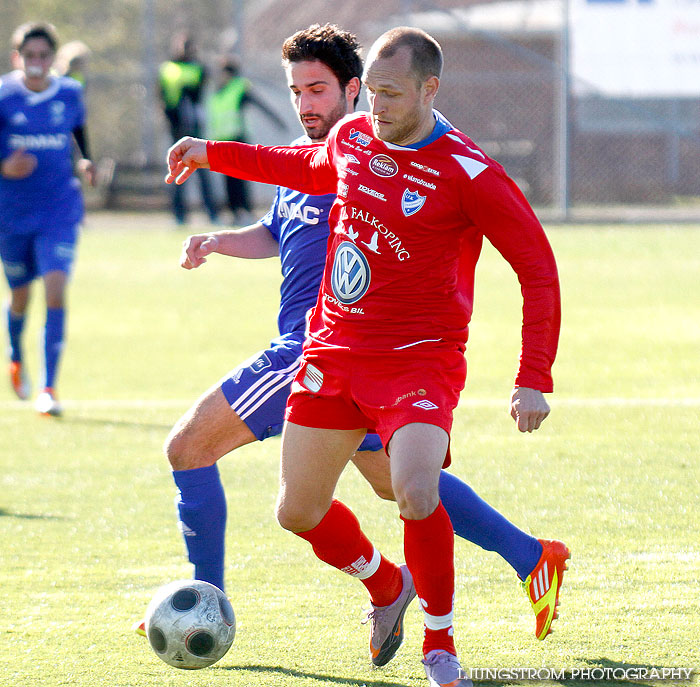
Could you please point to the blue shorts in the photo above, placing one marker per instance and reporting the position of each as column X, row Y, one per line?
column 27, row 256
column 257, row 390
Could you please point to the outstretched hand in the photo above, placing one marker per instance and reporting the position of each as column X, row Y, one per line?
column 196, row 248
column 528, row 408
column 187, row 155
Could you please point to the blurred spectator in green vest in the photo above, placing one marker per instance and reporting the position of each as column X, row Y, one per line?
column 181, row 81
column 226, row 122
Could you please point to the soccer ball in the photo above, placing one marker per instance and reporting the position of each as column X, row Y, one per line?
column 190, row 624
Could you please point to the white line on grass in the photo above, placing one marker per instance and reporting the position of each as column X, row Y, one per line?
column 166, row 403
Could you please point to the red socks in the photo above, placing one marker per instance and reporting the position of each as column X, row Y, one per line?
column 429, row 550
column 428, row 546
column 339, row 541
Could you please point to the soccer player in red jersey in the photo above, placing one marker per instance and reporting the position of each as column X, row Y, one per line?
column 387, row 337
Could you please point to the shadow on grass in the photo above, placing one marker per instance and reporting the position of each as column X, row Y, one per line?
column 326, row 679
column 128, row 424
column 4, row 513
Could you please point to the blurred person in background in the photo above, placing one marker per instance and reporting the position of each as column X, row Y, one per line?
column 226, row 122
column 72, row 61
column 41, row 204
column 181, row 81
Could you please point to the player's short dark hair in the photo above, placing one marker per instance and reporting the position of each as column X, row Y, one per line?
column 426, row 52
column 32, row 29
column 339, row 50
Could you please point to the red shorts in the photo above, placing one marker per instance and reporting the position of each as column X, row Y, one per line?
column 340, row 389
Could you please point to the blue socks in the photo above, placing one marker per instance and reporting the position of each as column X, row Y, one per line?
column 473, row 519
column 15, row 325
column 53, row 343
column 202, row 511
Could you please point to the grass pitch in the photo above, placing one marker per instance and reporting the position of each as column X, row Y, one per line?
column 87, row 521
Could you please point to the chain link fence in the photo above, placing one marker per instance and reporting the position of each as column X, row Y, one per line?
column 503, row 84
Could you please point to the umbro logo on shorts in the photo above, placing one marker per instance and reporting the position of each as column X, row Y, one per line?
column 425, row 404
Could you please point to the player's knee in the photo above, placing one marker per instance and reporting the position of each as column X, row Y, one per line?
column 183, row 453
column 415, row 500
column 384, row 491
column 295, row 519
column 55, row 300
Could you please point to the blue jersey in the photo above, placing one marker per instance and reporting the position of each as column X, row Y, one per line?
column 41, row 124
column 299, row 223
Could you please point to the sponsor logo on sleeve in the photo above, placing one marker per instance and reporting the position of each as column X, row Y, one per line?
column 411, row 202
column 351, row 158
column 359, row 137
column 383, row 166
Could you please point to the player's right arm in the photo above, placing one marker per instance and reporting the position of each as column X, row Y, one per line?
column 254, row 241
column 303, row 168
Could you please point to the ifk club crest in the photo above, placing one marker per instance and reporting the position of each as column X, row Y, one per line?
column 411, row 202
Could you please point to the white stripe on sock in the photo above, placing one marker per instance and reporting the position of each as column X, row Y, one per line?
column 438, row 622
column 361, row 569
column 369, row 568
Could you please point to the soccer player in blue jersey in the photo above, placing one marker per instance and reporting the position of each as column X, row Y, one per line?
column 323, row 67
column 41, row 206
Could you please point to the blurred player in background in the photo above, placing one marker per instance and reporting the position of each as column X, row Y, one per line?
column 323, row 70
column 226, row 122
column 387, row 335
column 181, row 81
column 41, row 205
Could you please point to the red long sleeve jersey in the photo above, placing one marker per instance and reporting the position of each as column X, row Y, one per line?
column 406, row 233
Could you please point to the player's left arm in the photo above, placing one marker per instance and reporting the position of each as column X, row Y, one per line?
column 505, row 217
column 84, row 164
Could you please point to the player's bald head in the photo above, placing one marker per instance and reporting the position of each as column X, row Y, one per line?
column 426, row 54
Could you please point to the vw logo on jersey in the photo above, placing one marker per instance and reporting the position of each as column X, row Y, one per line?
column 411, row 202
column 351, row 274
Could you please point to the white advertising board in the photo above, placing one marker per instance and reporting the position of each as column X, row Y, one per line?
column 636, row 48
